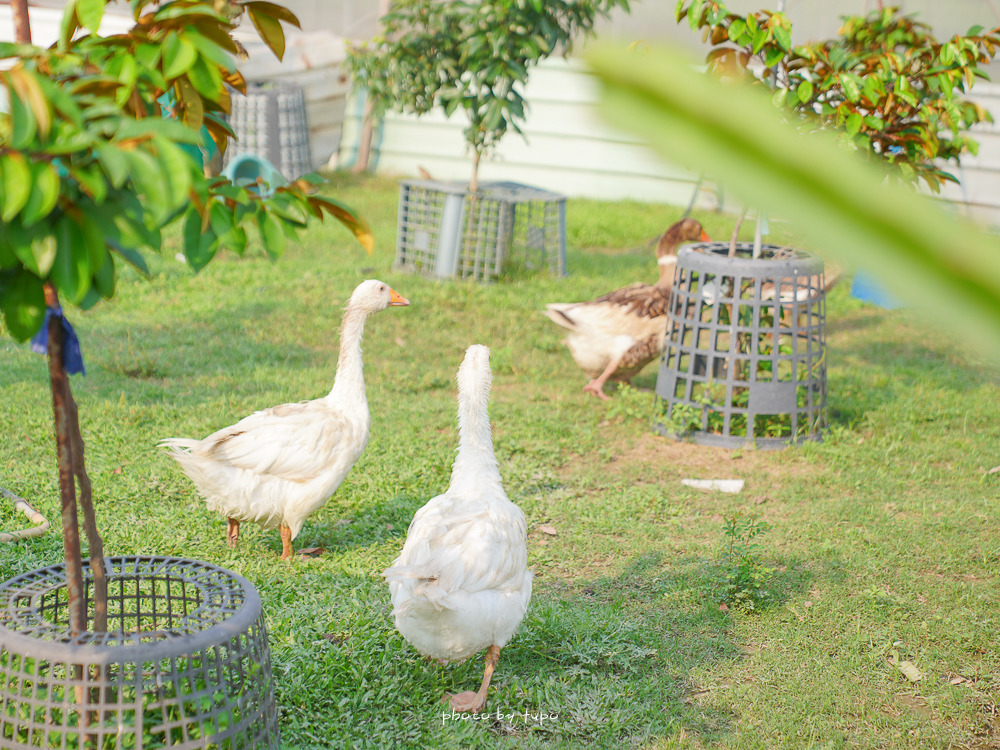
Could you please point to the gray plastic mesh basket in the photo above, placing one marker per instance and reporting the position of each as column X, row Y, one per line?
column 184, row 664
column 446, row 232
column 270, row 122
column 744, row 358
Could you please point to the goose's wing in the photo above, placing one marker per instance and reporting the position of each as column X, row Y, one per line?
column 291, row 441
column 469, row 551
column 633, row 310
column 642, row 300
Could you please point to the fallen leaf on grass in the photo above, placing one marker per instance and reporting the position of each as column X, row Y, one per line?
column 311, row 551
column 994, row 470
column 909, row 670
column 546, row 528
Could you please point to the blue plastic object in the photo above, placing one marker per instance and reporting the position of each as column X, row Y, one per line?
column 254, row 172
column 867, row 289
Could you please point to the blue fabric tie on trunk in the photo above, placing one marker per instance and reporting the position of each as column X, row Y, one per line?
column 72, row 356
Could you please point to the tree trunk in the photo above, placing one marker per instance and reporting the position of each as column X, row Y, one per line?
column 474, row 182
column 67, row 486
column 367, row 126
column 22, row 28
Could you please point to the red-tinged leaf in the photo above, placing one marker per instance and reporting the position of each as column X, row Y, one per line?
column 71, row 270
column 30, row 92
column 346, row 216
column 270, row 31
column 23, row 126
column 191, row 104
column 278, row 11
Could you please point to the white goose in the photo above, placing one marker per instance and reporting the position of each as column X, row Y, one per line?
column 461, row 583
column 277, row 466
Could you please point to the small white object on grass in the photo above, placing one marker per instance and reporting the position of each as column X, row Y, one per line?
column 722, row 485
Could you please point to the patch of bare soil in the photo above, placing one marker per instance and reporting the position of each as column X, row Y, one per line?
column 658, row 458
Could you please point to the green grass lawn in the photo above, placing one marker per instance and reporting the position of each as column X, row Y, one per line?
column 884, row 542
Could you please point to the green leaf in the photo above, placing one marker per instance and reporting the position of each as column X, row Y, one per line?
column 23, row 125
column 176, row 167
column 104, row 276
column 69, row 24
column 783, row 38
column 43, row 195
column 199, row 247
column 850, row 86
column 23, row 302
column 178, row 55
column 92, row 238
column 205, row 79
column 150, row 182
column 15, row 184
column 115, row 165
column 71, row 270
column 36, row 252
column 133, row 258
column 90, row 13
column 271, row 234
column 840, row 203
column 805, row 91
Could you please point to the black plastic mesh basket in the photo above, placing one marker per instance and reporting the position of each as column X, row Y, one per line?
column 446, row 232
column 744, row 359
column 184, row 664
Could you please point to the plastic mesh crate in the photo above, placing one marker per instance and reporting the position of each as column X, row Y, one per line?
column 270, row 122
column 744, row 359
column 184, row 664
column 446, row 232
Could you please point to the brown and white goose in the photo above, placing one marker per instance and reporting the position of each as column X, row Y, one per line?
column 614, row 336
column 276, row 466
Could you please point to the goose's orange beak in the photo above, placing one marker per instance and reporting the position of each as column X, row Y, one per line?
column 397, row 299
column 704, row 237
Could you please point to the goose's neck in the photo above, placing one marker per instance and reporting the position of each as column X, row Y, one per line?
column 476, row 460
column 349, row 382
column 666, row 280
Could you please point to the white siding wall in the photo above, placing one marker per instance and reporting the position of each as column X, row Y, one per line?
column 567, row 149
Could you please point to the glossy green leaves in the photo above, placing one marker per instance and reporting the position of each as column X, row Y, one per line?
column 731, row 132
column 98, row 153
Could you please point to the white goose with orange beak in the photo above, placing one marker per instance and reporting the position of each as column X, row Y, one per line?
column 279, row 465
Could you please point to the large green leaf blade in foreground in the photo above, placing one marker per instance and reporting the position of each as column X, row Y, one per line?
column 923, row 255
